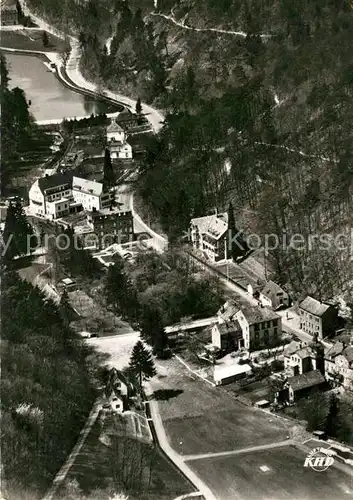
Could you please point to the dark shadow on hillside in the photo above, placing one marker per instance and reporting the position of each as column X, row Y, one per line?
column 166, row 394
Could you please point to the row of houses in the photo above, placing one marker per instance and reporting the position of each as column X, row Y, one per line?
column 56, row 196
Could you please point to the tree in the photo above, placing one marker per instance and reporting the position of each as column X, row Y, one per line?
column 45, row 39
column 17, row 232
column 65, row 308
column 138, row 106
column 236, row 247
column 141, row 363
column 160, row 341
column 108, row 172
column 315, row 410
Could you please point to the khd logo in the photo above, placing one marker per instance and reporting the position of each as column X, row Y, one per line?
column 319, row 459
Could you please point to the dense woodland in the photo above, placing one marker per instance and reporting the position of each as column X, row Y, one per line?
column 156, row 291
column 263, row 122
column 46, row 389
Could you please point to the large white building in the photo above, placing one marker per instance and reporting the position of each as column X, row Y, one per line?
column 116, row 142
column 91, row 194
column 57, row 195
column 209, row 235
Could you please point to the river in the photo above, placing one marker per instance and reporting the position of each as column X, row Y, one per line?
column 50, row 99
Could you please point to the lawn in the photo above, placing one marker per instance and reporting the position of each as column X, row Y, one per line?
column 252, row 392
column 30, row 40
column 277, row 474
column 112, row 461
column 201, row 418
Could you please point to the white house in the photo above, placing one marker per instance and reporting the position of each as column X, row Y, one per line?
column 252, row 327
column 91, row 194
column 49, row 189
column 272, row 295
column 261, row 327
column 339, row 364
column 116, row 142
column 209, row 235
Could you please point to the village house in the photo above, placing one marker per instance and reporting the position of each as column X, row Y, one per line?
column 209, row 235
column 299, row 358
column 116, row 142
column 111, row 225
column 50, row 195
column 302, row 385
column 339, row 364
column 9, row 14
column 272, row 295
column 250, row 327
column 261, row 327
column 317, row 317
column 227, row 336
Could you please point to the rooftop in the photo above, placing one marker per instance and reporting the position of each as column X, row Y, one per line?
column 87, row 186
column 214, row 225
column 51, row 181
column 222, row 372
column 256, row 314
column 114, row 127
column 228, row 310
column 306, row 380
column 229, row 327
column 314, row 306
column 271, row 288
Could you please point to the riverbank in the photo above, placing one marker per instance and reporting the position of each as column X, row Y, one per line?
column 72, row 67
column 25, row 39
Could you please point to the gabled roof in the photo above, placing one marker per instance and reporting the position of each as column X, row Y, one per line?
column 229, row 327
column 213, row 225
column 87, row 186
column 292, row 348
column 271, row 288
column 306, row 380
column 114, row 127
column 228, row 310
column 256, row 314
column 313, row 306
column 334, row 350
column 55, row 180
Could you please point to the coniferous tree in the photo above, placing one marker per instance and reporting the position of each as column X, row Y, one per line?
column 65, row 308
column 236, row 246
column 138, row 107
column 108, row 173
column 17, row 232
column 141, row 363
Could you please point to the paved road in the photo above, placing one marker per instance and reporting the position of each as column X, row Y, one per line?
column 154, row 116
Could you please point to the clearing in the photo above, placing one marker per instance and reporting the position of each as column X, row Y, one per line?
column 277, row 474
column 199, row 418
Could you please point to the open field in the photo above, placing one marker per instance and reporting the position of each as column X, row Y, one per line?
column 118, row 348
column 199, row 418
column 112, row 461
column 30, row 40
column 261, row 475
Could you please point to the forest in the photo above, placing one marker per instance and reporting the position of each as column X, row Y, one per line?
column 265, row 123
column 46, row 386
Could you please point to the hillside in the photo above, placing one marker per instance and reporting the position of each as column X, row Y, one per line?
column 262, row 117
